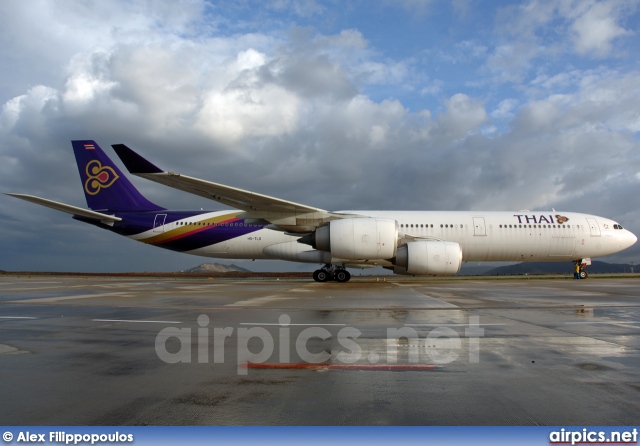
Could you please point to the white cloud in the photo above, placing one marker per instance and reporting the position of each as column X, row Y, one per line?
column 596, row 27
column 543, row 31
column 250, row 59
column 235, row 115
column 463, row 116
column 505, row 109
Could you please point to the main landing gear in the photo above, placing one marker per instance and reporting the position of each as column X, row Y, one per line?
column 331, row 272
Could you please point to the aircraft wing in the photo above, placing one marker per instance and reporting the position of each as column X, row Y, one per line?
column 73, row 210
column 289, row 216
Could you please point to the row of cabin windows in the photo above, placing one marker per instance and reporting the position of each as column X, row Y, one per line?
column 407, row 225
column 616, row 226
column 199, row 223
column 402, row 225
column 538, row 226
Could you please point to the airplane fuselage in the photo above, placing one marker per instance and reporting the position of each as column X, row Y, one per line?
column 482, row 236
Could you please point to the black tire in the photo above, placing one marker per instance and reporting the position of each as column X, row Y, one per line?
column 322, row 276
column 342, row 276
column 315, row 275
column 583, row 274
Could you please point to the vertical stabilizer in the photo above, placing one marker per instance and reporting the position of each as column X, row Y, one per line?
column 105, row 186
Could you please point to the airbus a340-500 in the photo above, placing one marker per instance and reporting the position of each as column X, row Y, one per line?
column 263, row 227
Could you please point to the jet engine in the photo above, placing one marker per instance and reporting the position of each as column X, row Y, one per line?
column 438, row 258
column 358, row 238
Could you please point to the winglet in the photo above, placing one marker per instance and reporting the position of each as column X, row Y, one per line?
column 134, row 163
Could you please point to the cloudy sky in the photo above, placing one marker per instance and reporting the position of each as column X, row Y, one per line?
column 414, row 104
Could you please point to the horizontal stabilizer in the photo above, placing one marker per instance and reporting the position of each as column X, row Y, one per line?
column 73, row 210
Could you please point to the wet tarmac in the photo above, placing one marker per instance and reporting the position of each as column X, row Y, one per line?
column 138, row 351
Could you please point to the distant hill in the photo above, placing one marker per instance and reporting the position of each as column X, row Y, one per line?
column 216, row 268
column 558, row 268
column 475, row 270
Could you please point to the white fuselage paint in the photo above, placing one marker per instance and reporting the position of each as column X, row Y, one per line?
column 483, row 236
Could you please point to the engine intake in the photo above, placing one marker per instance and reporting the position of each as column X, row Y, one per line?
column 358, row 238
column 437, row 258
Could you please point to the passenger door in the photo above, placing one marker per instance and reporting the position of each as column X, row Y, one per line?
column 479, row 228
column 158, row 223
column 593, row 226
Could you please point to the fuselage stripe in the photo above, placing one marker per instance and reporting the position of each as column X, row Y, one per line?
column 187, row 230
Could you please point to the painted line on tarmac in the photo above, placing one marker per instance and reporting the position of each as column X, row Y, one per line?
column 292, row 325
column 136, row 321
column 452, row 325
column 357, row 367
column 602, row 322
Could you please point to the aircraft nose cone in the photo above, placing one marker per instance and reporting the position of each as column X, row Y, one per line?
column 628, row 239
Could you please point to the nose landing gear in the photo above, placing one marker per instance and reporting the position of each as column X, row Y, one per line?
column 331, row 272
column 579, row 268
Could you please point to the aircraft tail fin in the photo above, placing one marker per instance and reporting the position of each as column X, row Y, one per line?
column 105, row 186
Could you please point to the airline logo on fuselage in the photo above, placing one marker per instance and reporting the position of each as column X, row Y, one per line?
column 539, row 219
column 98, row 177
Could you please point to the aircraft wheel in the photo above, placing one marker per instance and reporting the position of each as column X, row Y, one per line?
column 342, row 276
column 583, row 274
column 321, row 276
